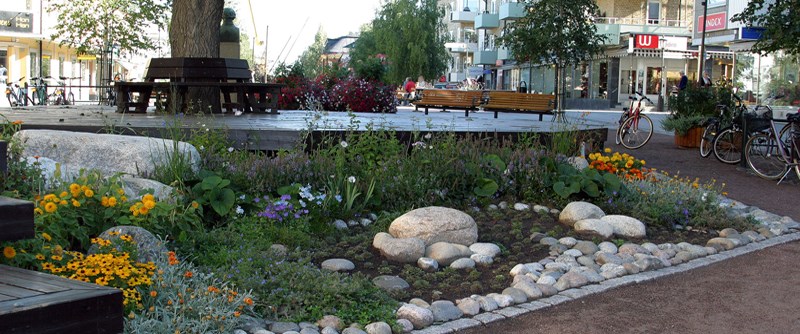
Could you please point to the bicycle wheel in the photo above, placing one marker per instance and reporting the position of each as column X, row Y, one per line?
column 636, row 131
column 761, row 152
column 707, row 141
column 727, row 145
column 617, row 135
column 71, row 99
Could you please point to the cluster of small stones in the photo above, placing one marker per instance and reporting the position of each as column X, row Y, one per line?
column 573, row 269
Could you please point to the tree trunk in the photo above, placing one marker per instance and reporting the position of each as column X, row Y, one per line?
column 194, row 32
column 560, row 95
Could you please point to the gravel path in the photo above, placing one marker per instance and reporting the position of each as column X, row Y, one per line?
column 754, row 293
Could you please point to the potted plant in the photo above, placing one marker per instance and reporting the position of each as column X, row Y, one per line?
column 689, row 110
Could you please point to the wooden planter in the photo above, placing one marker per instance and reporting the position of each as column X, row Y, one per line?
column 691, row 139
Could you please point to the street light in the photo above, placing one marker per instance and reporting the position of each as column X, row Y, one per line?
column 662, row 42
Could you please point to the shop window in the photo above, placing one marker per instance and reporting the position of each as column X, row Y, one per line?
column 653, row 86
column 599, row 79
column 653, row 12
column 61, row 66
column 627, row 82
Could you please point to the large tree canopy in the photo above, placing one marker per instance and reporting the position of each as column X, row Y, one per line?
column 92, row 25
column 411, row 34
column 311, row 58
column 780, row 20
column 558, row 32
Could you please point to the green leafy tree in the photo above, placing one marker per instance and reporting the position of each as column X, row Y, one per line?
column 311, row 57
column 92, row 25
column 557, row 32
column 411, row 34
column 779, row 18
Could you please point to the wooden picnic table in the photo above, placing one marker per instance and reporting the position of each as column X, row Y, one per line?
column 169, row 80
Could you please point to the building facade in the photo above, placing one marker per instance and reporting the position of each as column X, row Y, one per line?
column 27, row 51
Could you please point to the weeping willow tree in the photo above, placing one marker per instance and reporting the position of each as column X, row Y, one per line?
column 411, row 35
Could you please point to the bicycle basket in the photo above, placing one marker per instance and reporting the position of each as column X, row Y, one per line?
column 756, row 122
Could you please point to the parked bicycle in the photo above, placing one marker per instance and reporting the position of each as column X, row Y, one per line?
column 39, row 91
column 69, row 97
column 728, row 140
column 635, row 128
column 771, row 157
column 20, row 96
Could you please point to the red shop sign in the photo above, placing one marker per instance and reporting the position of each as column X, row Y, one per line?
column 646, row 42
column 714, row 22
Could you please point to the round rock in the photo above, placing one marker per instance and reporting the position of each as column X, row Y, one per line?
column 434, row 224
column 576, row 211
column 338, row 265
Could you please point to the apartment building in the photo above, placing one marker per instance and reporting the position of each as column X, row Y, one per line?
column 648, row 43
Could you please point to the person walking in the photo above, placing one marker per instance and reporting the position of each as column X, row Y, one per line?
column 706, row 80
column 684, row 81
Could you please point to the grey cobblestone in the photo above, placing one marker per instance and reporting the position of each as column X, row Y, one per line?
column 575, row 293
column 488, row 317
column 555, row 300
column 534, row 305
column 511, row 311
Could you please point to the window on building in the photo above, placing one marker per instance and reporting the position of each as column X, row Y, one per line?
column 61, row 67
column 653, row 12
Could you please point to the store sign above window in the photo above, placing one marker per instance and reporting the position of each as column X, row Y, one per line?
column 714, row 22
column 16, row 21
column 646, row 42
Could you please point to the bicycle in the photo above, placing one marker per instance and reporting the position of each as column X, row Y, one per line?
column 769, row 157
column 727, row 143
column 20, row 96
column 39, row 91
column 635, row 128
column 69, row 97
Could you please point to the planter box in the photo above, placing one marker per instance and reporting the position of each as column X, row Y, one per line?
column 691, row 139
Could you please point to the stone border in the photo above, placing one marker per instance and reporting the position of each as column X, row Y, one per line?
column 577, row 293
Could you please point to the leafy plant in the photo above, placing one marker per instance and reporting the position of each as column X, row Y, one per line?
column 214, row 191
column 567, row 181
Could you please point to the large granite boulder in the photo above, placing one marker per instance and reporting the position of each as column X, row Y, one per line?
column 625, row 226
column 148, row 247
column 107, row 153
column 434, row 224
column 576, row 211
column 405, row 250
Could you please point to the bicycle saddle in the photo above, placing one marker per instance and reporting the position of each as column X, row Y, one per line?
column 793, row 118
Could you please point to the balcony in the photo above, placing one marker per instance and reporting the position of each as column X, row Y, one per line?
column 504, row 54
column 512, row 10
column 487, row 21
column 462, row 16
column 461, row 47
column 642, row 26
column 486, row 57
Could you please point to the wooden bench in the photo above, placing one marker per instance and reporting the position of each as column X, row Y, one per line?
column 34, row 302
column 508, row 101
column 449, row 99
column 169, row 79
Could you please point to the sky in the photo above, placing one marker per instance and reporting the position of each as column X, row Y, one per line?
column 286, row 20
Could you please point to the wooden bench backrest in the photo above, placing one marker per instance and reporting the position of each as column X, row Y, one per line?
column 521, row 100
column 451, row 94
column 198, row 69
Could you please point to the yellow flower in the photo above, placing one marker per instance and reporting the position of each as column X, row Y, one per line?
column 56, row 257
column 104, row 201
column 143, row 210
column 112, row 201
column 195, row 204
column 74, row 187
column 50, row 197
column 46, row 236
column 123, row 198
column 50, row 207
column 607, row 150
column 76, row 204
column 40, row 257
column 88, row 193
column 62, row 202
column 38, row 211
column 148, row 197
column 126, row 237
column 149, row 204
column 121, row 191
column 9, row 252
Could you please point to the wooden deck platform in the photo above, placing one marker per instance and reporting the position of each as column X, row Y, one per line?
column 272, row 132
column 34, row 302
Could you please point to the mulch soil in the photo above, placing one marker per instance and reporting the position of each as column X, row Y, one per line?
column 754, row 293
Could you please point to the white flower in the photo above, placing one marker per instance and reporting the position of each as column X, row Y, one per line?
column 343, row 143
column 230, row 149
column 239, row 210
column 351, row 179
column 202, row 148
column 242, row 197
column 428, row 136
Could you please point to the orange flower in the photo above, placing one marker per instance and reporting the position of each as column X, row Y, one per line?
column 248, row 301
column 188, row 274
column 153, row 293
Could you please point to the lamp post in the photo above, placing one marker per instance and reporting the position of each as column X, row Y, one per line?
column 702, row 55
column 662, row 42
